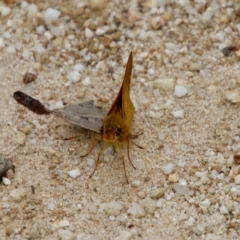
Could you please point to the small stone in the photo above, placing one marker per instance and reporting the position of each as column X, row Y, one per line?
column 78, row 67
column 51, row 15
column 180, row 91
column 88, row 33
column 112, row 208
column 100, row 32
column 66, row 234
column 51, row 206
column 74, row 76
column 20, row 138
column 90, row 162
column 200, row 229
column 223, row 210
column 157, row 193
column 6, row 181
column 178, row 114
column 134, row 15
column 74, row 173
column 173, row 178
column 64, row 223
column 97, row 4
column 166, row 84
column 220, row 36
column 148, row 205
column 136, row 210
column 237, row 179
column 233, row 96
column 40, row 53
column 181, row 189
column 124, row 235
column 206, row 203
column 18, row 194
column 11, row 50
column 195, row 67
column 4, row 11
column 167, row 169
column 2, row 43
column 86, row 81
column 34, row 231
column 6, row 164
column 157, row 22
column 29, row 77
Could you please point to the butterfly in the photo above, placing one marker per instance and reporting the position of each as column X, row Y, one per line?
column 116, row 127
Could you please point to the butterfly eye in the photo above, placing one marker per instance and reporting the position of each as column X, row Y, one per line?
column 101, row 130
column 118, row 132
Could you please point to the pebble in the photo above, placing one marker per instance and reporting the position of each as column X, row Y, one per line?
column 167, row 169
column 74, row 173
column 20, row 138
column 180, row 91
column 11, row 50
column 90, row 162
column 74, row 76
column 157, row 193
column 136, row 210
column 157, row 22
column 40, row 53
column 233, row 96
column 134, row 15
column 34, row 231
column 112, row 208
column 100, row 32
column 220, row 36
column 66, row 234
column 61, row 223
column 166, row 84
column 51, row 15
column 97, row 4
column 181, row 189
column 78, row 67
column 18, row 194
column 200, row 229
column 178, row 114
column 32, row 11
column 124, row 235
column 51, row 206
column 151, row 71
column 2, row 43
column 86, row 81
column 88, row 33
column 195, row 67
column 237, row 179
column 6, row 164
column 172, row 178
column 149, row 205
column 6, row 181
column 223, row 210
column 206, row 203
column 4, row 11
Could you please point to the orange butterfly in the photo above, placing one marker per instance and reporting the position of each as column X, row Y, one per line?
column 117, row 124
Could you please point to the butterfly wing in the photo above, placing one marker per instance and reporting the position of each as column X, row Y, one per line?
column 122, row 109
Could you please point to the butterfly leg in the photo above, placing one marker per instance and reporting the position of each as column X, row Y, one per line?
column 98, row 159
column 129, row 154
column 123, row 162
column 93, row 144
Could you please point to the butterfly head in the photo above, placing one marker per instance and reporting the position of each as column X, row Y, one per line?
column 111, row 134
